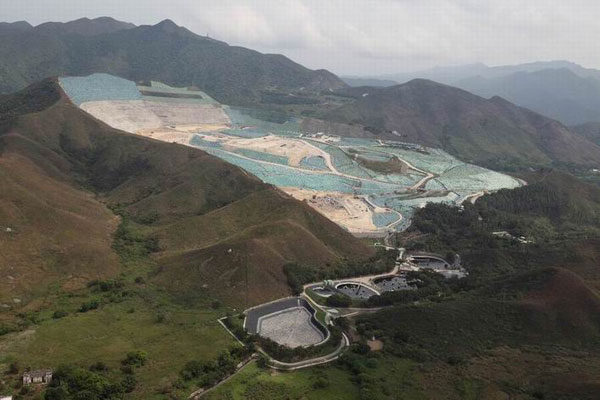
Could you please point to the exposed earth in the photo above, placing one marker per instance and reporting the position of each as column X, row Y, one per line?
column 369, row 187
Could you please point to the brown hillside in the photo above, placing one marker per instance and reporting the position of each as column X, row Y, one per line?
column 566, row 304
column 60, row 169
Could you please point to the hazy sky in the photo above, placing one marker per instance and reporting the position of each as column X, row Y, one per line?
column 365, row 37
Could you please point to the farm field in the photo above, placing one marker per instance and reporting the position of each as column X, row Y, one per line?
column 369, row 187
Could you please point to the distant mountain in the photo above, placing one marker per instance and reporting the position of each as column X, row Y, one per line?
column 164, row 52
column 561, row 90
column 557, row 93
column 492, row 132
column 18, row 26
column 79, row 196
column 356, row 81
column 450, row 75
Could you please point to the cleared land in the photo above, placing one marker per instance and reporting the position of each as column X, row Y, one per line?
column 368, row 187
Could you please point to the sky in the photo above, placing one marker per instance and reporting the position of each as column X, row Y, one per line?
column 363, row 37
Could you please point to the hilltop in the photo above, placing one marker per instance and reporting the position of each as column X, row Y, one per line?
column 491, row 132
column 165, row 52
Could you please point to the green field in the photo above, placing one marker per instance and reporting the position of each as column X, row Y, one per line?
column 134, row 317
column 395, row 379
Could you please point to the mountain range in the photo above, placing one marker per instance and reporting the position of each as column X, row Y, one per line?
column 561, row 89
column 164, row 52
column 493, row 132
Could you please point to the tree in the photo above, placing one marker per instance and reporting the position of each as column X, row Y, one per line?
column 338, row 300
column 135, row 358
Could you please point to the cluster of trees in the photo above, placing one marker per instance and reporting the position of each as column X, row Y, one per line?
column 286, row 99
column 71, row 382
column 298, row 275
column 131, row 244
column 430, row 286
column 361, row 363
column 209, row 373
column 339, row 300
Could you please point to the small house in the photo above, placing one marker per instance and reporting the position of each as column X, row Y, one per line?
column 41, row 376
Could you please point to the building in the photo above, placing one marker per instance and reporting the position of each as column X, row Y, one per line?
column 42, row 376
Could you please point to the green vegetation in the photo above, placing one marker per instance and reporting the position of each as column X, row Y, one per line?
column 298, row 275
column 209, row 373
column 338, row 300
column 96, row 383
column 377, row 378
column 234, row 75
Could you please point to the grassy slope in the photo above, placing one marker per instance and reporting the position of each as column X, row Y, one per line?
column 396, row 379
column 486, row 344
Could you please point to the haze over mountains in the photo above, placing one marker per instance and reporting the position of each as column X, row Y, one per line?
column 560, row 90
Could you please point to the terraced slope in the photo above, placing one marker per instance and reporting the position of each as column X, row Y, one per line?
column 206, row 221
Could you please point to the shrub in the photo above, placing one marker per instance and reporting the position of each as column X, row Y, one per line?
column 135, row 358
column 90, row 305
column 59, row 314
column 128, row 383
column 99, row 367
column 321, row 383
column 262, row 361
column 14, row 368
column 338, row 300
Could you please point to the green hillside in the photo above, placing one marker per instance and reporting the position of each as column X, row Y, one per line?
column 164, row 52
column 491, row 132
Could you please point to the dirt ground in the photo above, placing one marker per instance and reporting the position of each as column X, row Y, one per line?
column 139, row 115
column 345, row 209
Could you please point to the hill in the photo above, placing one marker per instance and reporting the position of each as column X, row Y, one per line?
column 164, row 52
column 491, row 132
column 557, row 93
column 590, row 131
column 64, row 175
